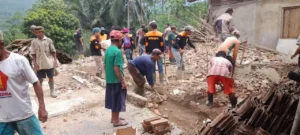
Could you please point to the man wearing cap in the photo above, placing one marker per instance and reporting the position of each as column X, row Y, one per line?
column 95, row 47
column 44, row 58
column 154, row 40
column 78, row 42
column 297, row 52
column 231, row 46
column 179, row 47
column 142, row 66
column 16, row 113
column 116, row 92
column 128, row 42
column 103, row 34
column 223, row 25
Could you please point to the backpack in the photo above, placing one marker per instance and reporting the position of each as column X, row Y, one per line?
column 127, row 42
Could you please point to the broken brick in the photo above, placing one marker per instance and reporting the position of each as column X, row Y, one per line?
column 147, row 121
column 159, row 122
column 162, row 129
column 147, row 127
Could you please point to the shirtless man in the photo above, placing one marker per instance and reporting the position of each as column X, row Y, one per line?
column 231, row 44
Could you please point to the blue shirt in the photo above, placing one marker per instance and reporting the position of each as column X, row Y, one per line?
column 144, row 64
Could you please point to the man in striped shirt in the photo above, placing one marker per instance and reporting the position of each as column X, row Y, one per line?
column 220, row 70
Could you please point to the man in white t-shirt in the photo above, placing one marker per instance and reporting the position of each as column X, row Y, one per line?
column 15, row 105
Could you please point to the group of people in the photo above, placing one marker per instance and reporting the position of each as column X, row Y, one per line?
column 15, row 70
column 152, row 46
column 221, row 67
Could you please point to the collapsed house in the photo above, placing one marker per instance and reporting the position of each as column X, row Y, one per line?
column 22, row 47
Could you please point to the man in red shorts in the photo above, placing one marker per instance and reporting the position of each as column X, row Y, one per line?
column 220, row 70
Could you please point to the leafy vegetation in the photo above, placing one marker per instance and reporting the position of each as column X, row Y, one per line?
column 59, row 25
column 60, row 18
column 13, row 28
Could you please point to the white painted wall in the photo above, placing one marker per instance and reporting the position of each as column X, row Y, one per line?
column 287, row 46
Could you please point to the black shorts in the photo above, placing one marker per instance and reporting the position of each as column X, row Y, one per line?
column 41, row 74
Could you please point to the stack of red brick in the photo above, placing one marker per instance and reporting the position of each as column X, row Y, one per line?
column 156, row 125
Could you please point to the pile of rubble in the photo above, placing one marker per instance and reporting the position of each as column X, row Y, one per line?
column 271, row 114
column 22, row 46
column 204, row 33
column 254, row 73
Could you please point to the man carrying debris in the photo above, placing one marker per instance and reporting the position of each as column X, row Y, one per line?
column 116, row 91
column 231, row 44
column 171, row 42
column 297, row 52
column 16, row 113
column 78, row 42
column 154, row 40
column 142, row 42
column 44, row 58
column 128, row 42
column 140, row 33
column 220, row 70
column 95, row 47
column 179, row 47
column 223, row 25
column 142, row 66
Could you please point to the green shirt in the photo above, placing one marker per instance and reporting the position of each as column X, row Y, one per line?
column 171, row 37
column 113, row 57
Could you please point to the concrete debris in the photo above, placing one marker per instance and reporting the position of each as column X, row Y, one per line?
column 178, row 92
column 78, row 79
column 136, row 99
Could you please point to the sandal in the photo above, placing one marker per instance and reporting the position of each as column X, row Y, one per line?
column 119, row 118
column 122, row 123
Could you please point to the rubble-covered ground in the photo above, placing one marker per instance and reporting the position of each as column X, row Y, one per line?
column 184, row 99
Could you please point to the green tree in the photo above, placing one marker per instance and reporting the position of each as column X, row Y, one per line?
column 13, row 28
column 59, row 25
column 107, row 13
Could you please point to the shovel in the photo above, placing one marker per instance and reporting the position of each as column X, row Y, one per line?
column 180, row 71
column 166, row 75
column 161, row 100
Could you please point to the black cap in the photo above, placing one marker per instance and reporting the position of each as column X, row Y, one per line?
column 229, row 10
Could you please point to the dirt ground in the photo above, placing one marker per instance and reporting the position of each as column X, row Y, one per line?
column 184, row 105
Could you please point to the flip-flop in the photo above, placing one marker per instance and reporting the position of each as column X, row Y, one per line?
column 119, row 118
column 123, row 123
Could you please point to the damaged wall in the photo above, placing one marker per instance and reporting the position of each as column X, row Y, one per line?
column 269, row 21
column 259, row 20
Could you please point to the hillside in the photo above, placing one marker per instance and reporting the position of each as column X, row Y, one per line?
column 9, row 7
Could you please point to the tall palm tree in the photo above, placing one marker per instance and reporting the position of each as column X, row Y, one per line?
column 110, row 12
